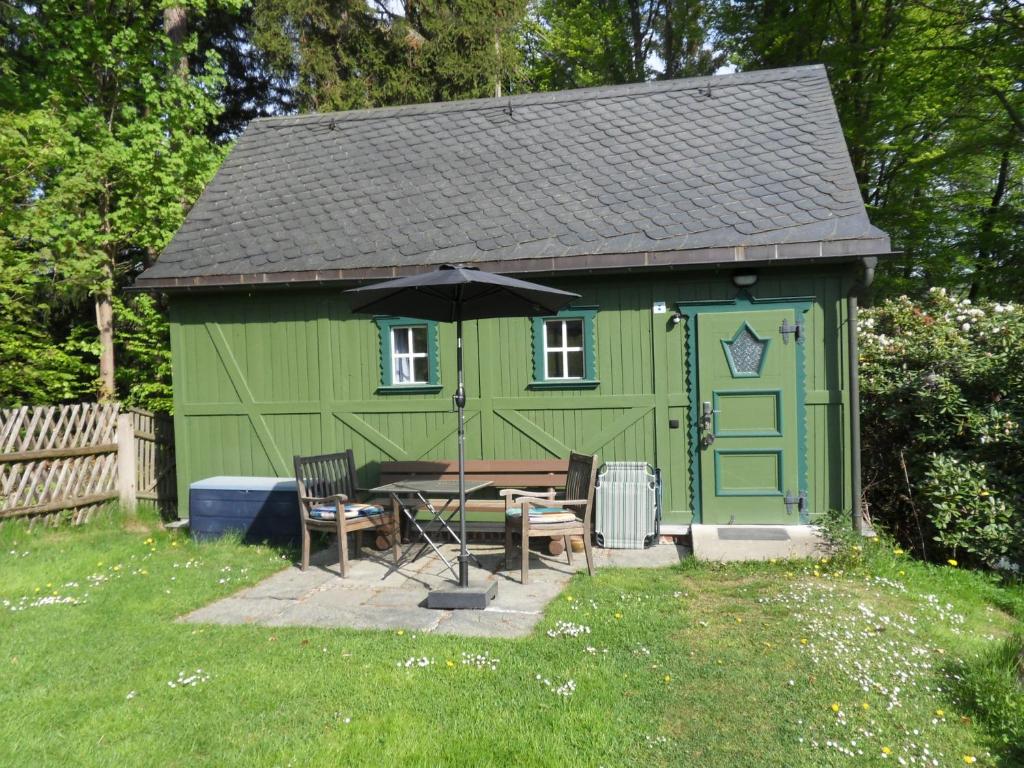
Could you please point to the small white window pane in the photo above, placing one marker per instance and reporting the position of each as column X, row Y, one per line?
column 400, row 337
column 420, row 367
column 574, row 331
column 554, row 333
column 419, row 339
column 402, row 373
column 555, row 370
column 575, row 364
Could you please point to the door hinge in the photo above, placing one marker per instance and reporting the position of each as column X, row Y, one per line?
column 797, row 331
column 799, row 501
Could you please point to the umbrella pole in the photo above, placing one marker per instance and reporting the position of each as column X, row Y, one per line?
column 460, row 401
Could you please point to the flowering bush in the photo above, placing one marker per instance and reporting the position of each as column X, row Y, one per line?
column 942, row 386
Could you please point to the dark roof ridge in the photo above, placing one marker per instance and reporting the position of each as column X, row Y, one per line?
column 595, row 93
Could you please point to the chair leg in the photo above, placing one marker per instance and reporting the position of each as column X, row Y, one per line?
column 357, row 543
column 508, row 545
column 343, row 552
column 305, row 548
column 525, row 573
column 568, row 549
column 589, row 552
column 396, row 532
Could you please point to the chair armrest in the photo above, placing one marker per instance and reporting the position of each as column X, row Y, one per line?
column 507, row 492
column 542, row 502
column 321, row 499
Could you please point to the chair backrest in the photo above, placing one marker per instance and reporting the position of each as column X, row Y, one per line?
column 579, row 483
column 526, row 473
column 326, row 475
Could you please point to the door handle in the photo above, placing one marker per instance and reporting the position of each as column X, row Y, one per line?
column 707, row 433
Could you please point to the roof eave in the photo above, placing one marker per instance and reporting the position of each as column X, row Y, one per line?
column 827, row 251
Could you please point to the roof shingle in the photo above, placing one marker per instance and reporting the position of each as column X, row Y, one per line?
column 630, row 169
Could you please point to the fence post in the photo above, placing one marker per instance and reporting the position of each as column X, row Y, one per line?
column 126, row 482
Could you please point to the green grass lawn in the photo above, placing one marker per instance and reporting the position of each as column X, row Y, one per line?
column 866, row 660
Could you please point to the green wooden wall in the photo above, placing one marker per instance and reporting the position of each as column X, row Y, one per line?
column 263, row 375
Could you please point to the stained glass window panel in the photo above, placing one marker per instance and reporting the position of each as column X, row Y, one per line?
column 746, row 351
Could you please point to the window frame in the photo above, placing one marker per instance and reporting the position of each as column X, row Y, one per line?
column 540, row 350
column 386, row 327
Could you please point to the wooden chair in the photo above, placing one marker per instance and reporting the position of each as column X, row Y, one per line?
column 525, row 513
column 326, row 484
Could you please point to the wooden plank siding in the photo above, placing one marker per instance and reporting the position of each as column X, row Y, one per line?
column 263, row 375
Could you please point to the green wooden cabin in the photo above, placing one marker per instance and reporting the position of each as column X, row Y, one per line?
column 713, row 227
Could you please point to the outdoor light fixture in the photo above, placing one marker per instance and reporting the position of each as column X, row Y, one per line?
column 676, row 318
column 744, row 279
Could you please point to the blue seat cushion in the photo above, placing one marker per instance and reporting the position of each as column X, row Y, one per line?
column 545, row 515
column 330, row 512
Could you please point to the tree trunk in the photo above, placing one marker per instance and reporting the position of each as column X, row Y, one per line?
column 669, row 43
column 636, row 30
column 176, row 27
column 986, row 245
column 497, row 65
column 107, row 388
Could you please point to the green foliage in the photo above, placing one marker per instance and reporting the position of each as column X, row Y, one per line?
column 993, row 686
column 459, row 50
column 144, row 351
column 570, row 44
column 942, row 413
column 36, row 363
column 965, row 513
column 835, row 527
column 102, row 146
column 930, row 101
column 345, row 54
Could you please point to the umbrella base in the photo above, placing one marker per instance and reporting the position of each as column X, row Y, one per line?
column 462, row 598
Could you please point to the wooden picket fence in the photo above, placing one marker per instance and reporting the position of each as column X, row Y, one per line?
column 156, row 479
column 66, row 461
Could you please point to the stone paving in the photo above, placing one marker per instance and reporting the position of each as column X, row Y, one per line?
column 377, row 596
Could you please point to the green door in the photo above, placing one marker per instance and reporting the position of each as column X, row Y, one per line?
column 747, row 417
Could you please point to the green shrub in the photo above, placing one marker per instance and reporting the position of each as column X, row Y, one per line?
column 943, row 402
column 992, row 686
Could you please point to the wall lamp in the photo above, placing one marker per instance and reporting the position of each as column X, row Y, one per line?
column 744, row 279
column 676, row 318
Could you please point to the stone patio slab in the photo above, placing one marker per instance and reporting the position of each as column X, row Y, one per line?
column 376, row 595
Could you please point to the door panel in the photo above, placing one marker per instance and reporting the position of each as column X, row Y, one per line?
column 744, row 414
column 747, row 393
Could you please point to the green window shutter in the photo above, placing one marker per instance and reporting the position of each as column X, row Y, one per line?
column 385, row 326
column 589, row 378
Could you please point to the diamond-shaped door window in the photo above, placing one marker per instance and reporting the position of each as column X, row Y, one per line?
column 745, row 352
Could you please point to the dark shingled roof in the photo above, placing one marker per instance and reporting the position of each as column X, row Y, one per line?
column 747, row 167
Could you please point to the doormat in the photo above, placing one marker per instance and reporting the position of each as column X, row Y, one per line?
column 751, row 533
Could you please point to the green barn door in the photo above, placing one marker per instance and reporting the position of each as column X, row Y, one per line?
column 747, row 417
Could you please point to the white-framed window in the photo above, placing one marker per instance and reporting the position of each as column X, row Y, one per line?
column 564, row 357
column 410, row 362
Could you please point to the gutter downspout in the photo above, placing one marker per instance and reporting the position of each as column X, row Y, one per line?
column 862, row 284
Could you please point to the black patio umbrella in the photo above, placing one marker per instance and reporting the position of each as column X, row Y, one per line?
column 453, row 294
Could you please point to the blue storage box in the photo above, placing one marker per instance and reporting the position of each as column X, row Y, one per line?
column 261, row 508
